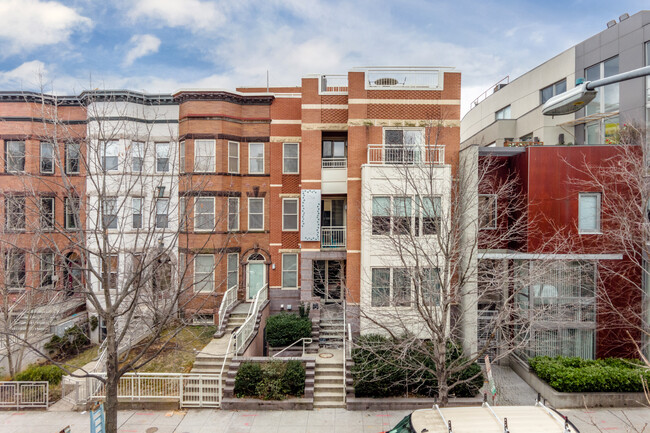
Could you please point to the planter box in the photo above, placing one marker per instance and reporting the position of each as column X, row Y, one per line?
column 569, row 400
column 403, row 403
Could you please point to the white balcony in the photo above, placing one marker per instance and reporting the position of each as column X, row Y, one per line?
column 398, row 154
column 333, row 84
column 335, row 162
column 332, row 237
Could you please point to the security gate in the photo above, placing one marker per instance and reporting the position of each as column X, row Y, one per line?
column 18, row 395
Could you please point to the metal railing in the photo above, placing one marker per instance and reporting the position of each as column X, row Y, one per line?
column 522, row 143
column 334, row 163
column 333, row 84
column 397, row 154
column 305, row 341
column 418, row 78
column 246, row 330
column 229, row 298
column 493, row 88
column 22, row 394
column 332, row 237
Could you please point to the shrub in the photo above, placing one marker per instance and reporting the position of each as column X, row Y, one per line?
column 248, row 376
column 74, row 340
column 572, row 374
column 377, row 372
column 284, row 328
column 50, row 373
column 270, row 381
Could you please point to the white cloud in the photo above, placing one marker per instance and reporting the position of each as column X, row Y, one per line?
column 28, row 76
column 28, row 24
column 141, row 46
column 195, row 14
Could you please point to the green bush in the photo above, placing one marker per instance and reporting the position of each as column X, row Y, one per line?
column 50, row 373
column 74, row 340
column 271, row 380
column 378, row 372
column 284, row 328
column 573, row 374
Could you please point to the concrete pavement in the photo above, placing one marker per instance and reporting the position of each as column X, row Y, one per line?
column 316, row 421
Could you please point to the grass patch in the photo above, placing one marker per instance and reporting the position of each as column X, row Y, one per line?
column 83, row 358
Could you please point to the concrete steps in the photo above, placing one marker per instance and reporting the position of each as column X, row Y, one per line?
column 329, row 389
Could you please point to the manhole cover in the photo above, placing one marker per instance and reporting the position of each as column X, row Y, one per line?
column 152, row 430
column 326, row 355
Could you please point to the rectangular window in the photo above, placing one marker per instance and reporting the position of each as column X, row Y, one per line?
column 47, row 269
column 136, row 212
column 181, row 157
column 110, row 269
column 137, row 156
column 290, row 158
column 204, row 156
column 503, row 113
column 46, row 213
column 256, row 158
column 402, row 214
column 233, row 214
column 401, row 287
column 15, row 213
column 15, row 156
column 380, row 287
column 162, row 213
column 233, row 270
column 15, row 270
column 290, row 270
column 607, row 100
column 334, row 154
column 109, row 212
column 72, row 220
column 380, row 215
column 233, row 157
column 404, row 137
column 589, row 212
column 162, row 157
column 553, row 90
column 289, row 214
column 487, row 211
column 204, row 213
column 182, row 212
column 430, row 215
column 255, row 214
column 429, row 287
column 72, row 158
column 204, row 273
column 47, row 157
column 110, row 155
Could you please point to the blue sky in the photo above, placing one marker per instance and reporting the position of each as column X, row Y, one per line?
column 163, row 45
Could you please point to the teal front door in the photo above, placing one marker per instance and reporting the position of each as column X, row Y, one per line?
column 256, row 278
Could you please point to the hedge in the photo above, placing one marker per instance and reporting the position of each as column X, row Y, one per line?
column 284, row 328
column 273, row 380
column 573, row 374
column 377, row 372
column 50, row 373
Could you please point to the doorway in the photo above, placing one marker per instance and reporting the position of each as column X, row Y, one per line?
column 328, row 280
column 256, row 278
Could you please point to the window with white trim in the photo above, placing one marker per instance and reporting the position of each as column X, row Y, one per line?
column 289, row 270
column 380, row 292
column 14, row 156
column 233, row 270
column 162, row 157
column 255, row 213
column 15, row 213
column 256, row 158
column 233, row 157
column 110, row 268
column 46, row 213
column 204, row 273
column 47, row 157
column 47, row 269
column 404, row 214
column 487, row 211
column 503, row 113
column 72, row 220
column 15, row 271
column 182, row 212
column 137, row 156
column 72, row 158
column 162, row 213
column 136, row 212
column 290, row 158
column 233, row 214
column 109, row 212
column 204, row 156
column 110, row 155
column 181, row 157
column 553, row 90
column 204, row 213
column 289, row 214
column 394, row 287
column 589, row 212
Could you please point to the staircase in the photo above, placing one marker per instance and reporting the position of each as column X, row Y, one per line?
column 332, row 329
column 329, row 390
column 39, row 319
column 210, row 359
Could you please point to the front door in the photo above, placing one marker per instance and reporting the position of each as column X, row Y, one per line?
column 328, row 280
column 256, row 278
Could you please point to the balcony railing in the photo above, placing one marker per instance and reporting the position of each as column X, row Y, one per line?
column 397, row 154
column 332, row 237
column 333, row 85
column 522, row 143
column 335, row 162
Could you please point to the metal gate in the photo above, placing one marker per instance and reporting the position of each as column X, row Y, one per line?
column 201, row 391
column 18, row 395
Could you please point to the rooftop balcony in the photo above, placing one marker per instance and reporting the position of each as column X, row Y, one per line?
column 333, row 84
column 398, row 154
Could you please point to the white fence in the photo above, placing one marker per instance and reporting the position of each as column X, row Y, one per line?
column 332, row 237
column 190, row 390
column 397, row 154
column 18, row 395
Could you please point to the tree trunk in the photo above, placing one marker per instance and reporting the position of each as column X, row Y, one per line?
column 10, row 357
column 112, row 380
column 443, row 391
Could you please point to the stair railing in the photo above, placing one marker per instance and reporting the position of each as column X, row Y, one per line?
column 344, row 350
column 246, row 330
column 225, row 356
column 305, row 341
column 229, row 298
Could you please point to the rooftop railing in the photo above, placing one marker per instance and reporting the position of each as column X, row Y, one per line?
column 397, row 154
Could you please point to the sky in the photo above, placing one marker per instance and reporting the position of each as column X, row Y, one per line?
column 64, row 47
